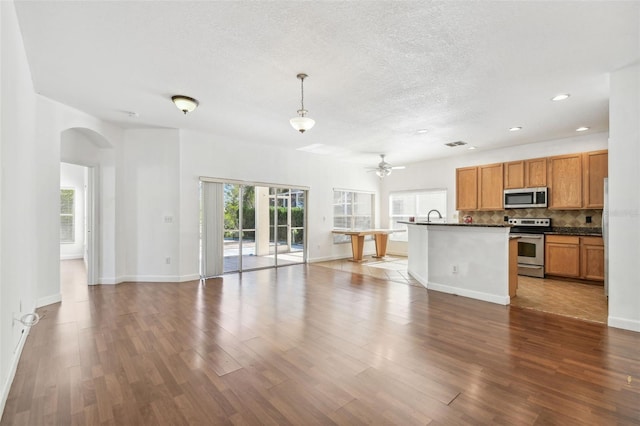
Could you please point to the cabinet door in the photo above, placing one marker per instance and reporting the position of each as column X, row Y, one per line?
column 592, row 258
column 595, row 168
column 565, row 181
column 490, row 187
column 562, row 256
column 467, row 188
column 535, row 173
column 514, row 175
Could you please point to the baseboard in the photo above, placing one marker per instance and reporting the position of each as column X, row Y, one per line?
column 192, row 277
column 624, row 323
column 48, row 300
column 422, row 280
column 6, row 387
column 148, row 278
column 486, row 297
column 71, row 256
column 336, row 257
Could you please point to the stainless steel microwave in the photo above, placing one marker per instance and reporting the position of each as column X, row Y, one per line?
column 525, row 198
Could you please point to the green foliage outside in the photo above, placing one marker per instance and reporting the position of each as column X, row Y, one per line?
column 232, row 220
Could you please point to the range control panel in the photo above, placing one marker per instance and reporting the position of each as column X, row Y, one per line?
column 544, row 221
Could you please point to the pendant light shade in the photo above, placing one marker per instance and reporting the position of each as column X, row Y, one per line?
column 302, row 123
column 185, row 103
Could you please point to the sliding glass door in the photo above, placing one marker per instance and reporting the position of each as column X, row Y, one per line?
column 261, row 227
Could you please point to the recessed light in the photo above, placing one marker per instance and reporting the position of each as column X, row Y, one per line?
column 560, row 97
column 472, row 147
column 515, row 129
column 582, row 129
column 422, row 131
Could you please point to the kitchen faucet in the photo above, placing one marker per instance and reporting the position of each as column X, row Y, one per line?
column 429, row 214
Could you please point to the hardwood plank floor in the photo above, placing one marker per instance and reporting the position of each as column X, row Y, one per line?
column 310, row 345
column 562, row 297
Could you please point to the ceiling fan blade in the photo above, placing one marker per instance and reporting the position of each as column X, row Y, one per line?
column 399, row 167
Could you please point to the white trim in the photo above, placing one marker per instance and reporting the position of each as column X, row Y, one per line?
column 487, row 297
column 110, row 280
column 422, row 280
column 191, row 277
column 71, row 256
column 624, row 323
column 6, row 387
column 250, row 183
column 337, row 257
column 49, row 300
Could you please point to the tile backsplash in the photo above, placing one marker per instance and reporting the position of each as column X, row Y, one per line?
column 563, row 218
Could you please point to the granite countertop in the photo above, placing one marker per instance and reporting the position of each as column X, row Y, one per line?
column 575, row 231
column 483, row 225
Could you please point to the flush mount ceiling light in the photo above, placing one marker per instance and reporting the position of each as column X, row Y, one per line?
column 302, row 123
column 185, row 103
column 561, row 97
column 515, row 129
column 582, row 129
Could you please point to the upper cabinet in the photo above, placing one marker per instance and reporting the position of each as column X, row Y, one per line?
column 535, row 173
column 565, row 181
column 525, row 173
column 575, row 181
column 514, row 175
column 467, row 188
column 595, row 169
column 490, row 186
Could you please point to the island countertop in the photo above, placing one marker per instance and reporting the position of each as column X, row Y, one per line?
column 482, row 225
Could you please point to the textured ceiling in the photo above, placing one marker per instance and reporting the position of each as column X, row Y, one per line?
column 378, row 71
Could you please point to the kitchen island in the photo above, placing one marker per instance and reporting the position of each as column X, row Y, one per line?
column 470, row 260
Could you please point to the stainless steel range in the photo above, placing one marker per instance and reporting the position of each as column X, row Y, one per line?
column 531, row 244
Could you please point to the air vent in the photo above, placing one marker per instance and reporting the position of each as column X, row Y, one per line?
column 457, row 143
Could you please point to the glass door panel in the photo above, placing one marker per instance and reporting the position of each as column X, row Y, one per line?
column 231, row 235
column 296, row 226
column 257, row 251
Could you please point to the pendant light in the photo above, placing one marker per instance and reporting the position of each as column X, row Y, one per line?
column 185, row 103
column 302, row 123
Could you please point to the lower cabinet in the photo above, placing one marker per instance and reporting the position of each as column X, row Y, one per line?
column 574, row 257
column 592, row 258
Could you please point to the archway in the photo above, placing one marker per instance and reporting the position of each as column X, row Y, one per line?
column 88, row 149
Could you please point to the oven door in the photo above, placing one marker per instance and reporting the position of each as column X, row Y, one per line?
column 531, row 254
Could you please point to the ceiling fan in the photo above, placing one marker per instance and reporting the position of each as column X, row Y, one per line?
column 384, row 168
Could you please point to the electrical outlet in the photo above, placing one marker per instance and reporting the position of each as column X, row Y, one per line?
column 167, row 260
column 454, row 269
column 588, row 218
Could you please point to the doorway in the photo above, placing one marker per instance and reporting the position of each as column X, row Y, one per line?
column 77, row 218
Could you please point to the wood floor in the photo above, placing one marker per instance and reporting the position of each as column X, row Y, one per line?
column 309, row 345
column 561, row 297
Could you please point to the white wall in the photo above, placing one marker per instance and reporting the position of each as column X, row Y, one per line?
column 73, row 177
column 624, row 199
column 19, row 263
column 149, row 192
column 31, row 128
column 204, row 155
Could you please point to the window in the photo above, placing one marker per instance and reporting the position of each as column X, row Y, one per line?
column 67, row 222
column 403, row 205
column 351, row 210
